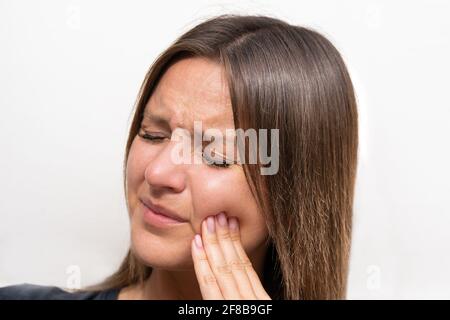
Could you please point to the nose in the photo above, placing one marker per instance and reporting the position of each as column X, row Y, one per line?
column 163, row 173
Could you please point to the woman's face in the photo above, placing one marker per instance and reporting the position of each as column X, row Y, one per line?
column 192, row 89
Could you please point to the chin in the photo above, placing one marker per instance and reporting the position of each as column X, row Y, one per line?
column 162, row 251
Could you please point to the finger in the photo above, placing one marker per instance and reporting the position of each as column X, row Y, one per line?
column 258, row 288
column 220, row 268
column 238, row 268
column 205, row 276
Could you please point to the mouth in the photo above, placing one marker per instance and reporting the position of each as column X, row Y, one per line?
column 161, row 213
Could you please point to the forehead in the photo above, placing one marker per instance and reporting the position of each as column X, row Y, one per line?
column 192, row 89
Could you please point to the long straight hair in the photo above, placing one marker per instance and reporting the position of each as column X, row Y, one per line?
column 291, row 78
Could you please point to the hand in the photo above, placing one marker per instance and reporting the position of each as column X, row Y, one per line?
column 223, row 270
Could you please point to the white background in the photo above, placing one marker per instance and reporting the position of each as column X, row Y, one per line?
column 69, row 75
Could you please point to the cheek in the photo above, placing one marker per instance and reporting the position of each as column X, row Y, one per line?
column 136, row 165
column 213, row 192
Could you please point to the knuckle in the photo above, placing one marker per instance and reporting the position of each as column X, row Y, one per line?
column 235, row 237
column 237, row 265
column 209, row 279
column 212, row 241
column 224, row 236
column 224, row 269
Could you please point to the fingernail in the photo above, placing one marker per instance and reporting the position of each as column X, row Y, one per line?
column 222, row 219
column 210, row 224
column 198, row 241
column 233, row 224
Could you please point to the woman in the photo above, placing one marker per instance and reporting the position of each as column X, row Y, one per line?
column 219, row 228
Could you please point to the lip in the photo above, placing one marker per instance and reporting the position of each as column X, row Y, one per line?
column 158, row 216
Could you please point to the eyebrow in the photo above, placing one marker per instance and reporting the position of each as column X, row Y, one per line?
column 164, row 122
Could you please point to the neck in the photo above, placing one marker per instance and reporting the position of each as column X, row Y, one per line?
column 165, row 284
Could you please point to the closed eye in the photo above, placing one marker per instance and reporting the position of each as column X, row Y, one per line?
column 220, row 163
column 151, row 137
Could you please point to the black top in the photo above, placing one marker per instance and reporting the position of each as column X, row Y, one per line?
column 28, row 291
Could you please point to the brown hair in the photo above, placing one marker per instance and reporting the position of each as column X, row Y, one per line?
column 290, row 78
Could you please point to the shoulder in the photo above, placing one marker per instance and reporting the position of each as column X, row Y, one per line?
column 26, row 291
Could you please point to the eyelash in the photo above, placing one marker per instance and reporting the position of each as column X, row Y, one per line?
column 152, row 138
column 221, row 165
